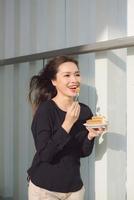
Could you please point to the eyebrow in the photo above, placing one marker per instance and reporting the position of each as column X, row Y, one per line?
column 70, row 72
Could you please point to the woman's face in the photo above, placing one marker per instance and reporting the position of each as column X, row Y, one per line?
column 67, row 79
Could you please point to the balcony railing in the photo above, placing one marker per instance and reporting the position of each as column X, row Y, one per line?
column 82, row 49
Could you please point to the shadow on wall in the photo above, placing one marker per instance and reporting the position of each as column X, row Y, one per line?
column 88, row 95
column 117, row 142
column 109, row 140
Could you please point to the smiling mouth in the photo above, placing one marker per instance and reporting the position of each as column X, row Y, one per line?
column 75, row 89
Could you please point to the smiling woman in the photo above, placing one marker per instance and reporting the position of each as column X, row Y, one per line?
column 41, row 87
column 66, row 83
column 60, row 137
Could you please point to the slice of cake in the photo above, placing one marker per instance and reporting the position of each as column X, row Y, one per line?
column 96, row 120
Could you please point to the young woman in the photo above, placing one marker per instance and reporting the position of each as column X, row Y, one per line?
column 59, row 135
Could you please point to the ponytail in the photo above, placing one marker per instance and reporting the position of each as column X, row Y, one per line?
column 40, row 89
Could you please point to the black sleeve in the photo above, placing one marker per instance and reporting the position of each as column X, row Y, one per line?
column 48, row 144
column 86, row 147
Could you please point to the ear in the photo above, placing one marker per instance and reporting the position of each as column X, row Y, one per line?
column 53, row 82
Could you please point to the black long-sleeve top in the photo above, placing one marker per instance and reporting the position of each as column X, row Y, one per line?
column 56, row 164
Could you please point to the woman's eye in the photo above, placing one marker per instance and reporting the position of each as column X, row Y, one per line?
column 67, row 75
column 77, row 74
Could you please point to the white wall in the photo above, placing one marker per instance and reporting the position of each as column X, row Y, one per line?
column 110, row 81
column 30, row 26
column 130, row 105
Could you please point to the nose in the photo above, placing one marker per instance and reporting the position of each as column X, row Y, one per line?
column 74, row 78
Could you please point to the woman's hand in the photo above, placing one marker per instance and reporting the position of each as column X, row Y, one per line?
column 95, row 132
column 71, row 117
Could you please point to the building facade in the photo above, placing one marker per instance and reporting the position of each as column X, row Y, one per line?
column 31, row 26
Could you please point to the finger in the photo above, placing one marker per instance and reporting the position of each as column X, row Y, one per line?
column 93, row 132
column 72, row 107
column 102, row 130
column 77, row 111
column 75, row 104
column 76, row 108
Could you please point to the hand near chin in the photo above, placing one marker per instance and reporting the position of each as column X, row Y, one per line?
column 72, row 115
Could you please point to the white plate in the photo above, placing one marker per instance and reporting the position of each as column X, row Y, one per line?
column 96, row 125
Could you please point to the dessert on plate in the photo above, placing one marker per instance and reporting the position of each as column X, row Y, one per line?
column 97, row 121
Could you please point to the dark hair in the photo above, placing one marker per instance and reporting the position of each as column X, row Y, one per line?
column 41, row 87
